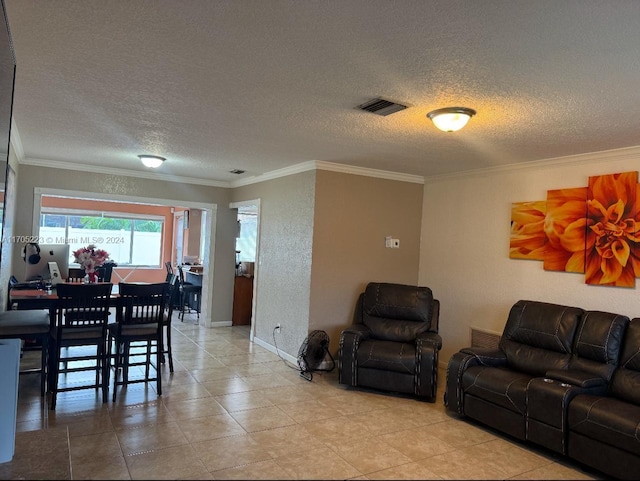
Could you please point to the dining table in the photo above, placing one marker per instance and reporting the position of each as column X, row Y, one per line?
column 23, row 299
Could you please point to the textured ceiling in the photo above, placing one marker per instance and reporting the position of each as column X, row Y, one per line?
column 263, row 85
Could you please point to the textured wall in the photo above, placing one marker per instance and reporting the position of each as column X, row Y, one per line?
column 353, row 215
column 465, row 250
column 284, row 260
column 220, row 297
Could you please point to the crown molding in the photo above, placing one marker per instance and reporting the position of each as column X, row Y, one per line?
column 56, row 164
column 329, row 166
column 614, row 155
column 622, row 154
column 274, row 174
column 381, row 174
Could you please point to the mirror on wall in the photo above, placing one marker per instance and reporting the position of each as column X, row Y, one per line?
column 7, row 71
column 7, row 76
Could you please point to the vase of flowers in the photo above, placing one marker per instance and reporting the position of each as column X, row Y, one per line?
column 90, row 258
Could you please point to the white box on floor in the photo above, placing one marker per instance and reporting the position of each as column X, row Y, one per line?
column 10, row 362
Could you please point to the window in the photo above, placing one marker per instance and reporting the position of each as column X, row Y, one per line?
column 246, row 240
column 130, row 239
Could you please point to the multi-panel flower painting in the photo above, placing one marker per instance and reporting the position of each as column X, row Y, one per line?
column 594, row 230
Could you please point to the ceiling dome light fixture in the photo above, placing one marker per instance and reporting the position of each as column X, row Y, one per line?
column 451, row 119
column 152, row 161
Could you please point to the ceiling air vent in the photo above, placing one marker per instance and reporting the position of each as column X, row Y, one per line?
column 381, row 106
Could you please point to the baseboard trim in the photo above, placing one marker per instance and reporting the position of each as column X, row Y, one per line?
column 279, row 352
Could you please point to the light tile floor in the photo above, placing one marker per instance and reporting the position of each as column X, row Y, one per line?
column 234, row 410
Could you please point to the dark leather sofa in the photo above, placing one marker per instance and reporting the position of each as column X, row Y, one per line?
column 556, row 381
column 393, row 343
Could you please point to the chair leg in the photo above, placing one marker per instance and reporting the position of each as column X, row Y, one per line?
column 182, row 303
column 104, row 367
column 54, row 377
column 99, row 354
column 117, row 360
column 43, row 365
column 158, row 374
column 148, row 357
column 126, row 347
column 169, row 352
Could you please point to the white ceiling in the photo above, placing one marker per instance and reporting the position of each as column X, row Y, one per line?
column 264, row 85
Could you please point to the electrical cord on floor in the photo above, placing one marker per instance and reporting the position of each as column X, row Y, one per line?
column 286, row 363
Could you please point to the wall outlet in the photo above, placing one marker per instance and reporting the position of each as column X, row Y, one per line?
column 395, row 243
column 388, row 241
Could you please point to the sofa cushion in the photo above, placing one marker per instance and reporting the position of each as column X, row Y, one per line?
column 598, row 343
column 538, row 336
column 387, row 355
column 626, row 380
column 397, row 312
column 606, row 419
column 504, row 387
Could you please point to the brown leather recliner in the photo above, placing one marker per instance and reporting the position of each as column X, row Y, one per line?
column 393, row 343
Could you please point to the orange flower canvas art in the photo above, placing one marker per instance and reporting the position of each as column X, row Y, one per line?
column 527, row 238
column 564, row 228
column 593, row 230
column 612, row 237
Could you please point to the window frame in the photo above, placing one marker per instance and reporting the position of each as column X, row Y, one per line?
column 132, row 216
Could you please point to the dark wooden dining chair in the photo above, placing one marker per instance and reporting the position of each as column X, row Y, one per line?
column 140, row 320
column 174, row 292
column 189, row 295
column 104, row 273
column 81, row 314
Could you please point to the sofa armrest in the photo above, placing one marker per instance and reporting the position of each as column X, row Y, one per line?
column 486, row 356
column 577, row 378
column 459, row 363
column 347, row 361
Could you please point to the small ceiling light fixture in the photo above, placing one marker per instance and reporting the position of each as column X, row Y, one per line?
column 152, row 161
column 451, row 119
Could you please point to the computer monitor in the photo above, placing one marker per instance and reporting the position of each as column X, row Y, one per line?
column 58, row 253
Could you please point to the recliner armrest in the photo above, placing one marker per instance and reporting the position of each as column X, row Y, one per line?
column 576, row 378
column 347, row 353
column 487, row 356
column 359, row 330
column 432, row 338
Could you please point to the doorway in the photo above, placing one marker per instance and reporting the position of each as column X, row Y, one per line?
column 247, row 260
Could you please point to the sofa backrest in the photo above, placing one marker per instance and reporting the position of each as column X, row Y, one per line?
column 625, row 383
column 397, row 312
column 538, row 336
column 598, row 342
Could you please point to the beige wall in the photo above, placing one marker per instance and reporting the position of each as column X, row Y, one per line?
column 284, row 260
column 353, row 215
column 465, row 249
column 220, row 292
